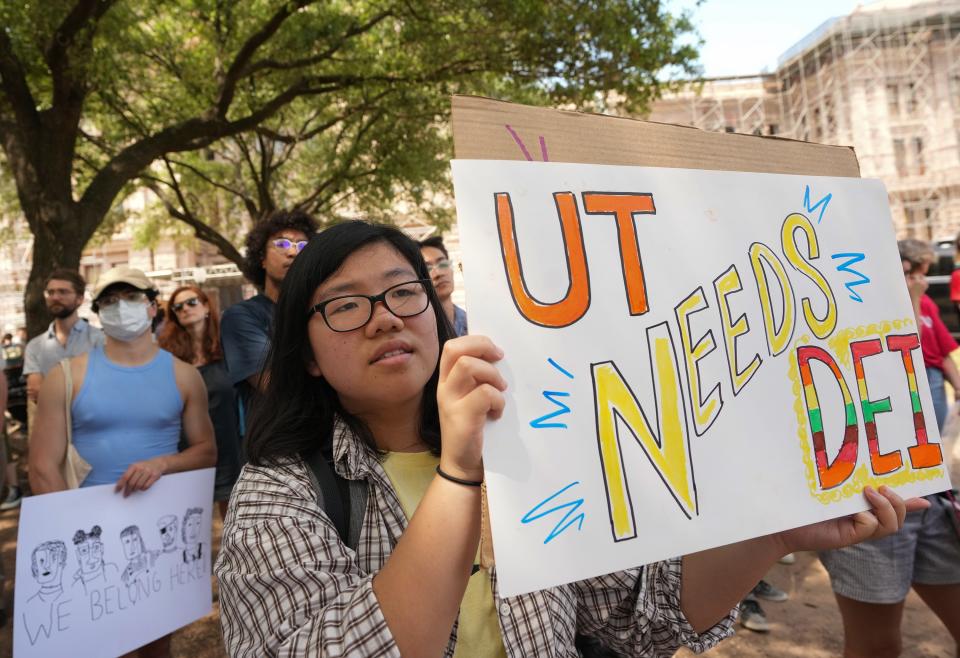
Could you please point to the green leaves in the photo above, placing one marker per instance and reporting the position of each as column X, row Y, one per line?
column 338, row 106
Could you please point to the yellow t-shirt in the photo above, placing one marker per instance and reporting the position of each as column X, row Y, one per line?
column 478, row 633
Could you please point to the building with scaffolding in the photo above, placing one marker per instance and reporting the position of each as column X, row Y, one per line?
column 884, row 79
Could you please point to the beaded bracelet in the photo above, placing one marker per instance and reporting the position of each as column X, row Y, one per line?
column 447, row 476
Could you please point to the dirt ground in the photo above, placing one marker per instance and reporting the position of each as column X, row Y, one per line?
column 807, row 626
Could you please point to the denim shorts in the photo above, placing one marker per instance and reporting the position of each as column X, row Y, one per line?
column 926, row 551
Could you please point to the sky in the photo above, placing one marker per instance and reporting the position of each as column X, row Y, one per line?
column 743, row 37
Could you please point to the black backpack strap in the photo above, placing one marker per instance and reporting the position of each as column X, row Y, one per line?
column 357, row 504
column 332, row 490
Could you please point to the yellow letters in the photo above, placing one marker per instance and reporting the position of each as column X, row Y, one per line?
column 668, row 450
column 821, row 327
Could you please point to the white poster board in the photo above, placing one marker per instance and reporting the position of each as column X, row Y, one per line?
column 694, row 358
column 99, row 574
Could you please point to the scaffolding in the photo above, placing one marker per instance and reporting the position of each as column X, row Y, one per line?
column 884, row 79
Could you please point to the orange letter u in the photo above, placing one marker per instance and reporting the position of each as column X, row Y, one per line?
column 576, row 300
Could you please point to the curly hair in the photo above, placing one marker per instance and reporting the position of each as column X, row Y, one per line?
column 297, row 220
column 80, row 536
column 175, row 339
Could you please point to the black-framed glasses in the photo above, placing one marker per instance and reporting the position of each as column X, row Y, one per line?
column 442, row 264
column 284, row 244
column 193, row 301
column 351, row 312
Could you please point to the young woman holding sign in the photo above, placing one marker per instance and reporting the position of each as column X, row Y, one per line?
column 364, row 369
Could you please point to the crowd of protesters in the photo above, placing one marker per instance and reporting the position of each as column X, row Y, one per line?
column 343, row 407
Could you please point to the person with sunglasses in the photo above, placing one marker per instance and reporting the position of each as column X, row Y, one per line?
column 366, row 376
column 192, row 334
column 272, row 245
column 441, row 273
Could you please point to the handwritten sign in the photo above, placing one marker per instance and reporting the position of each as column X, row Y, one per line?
column 694, row 358
column 100, row 575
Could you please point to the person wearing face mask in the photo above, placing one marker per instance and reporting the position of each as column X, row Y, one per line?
column 130, row 400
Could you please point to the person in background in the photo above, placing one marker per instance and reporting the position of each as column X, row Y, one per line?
column 871, row 580
column 955, row 277
column 272, row 246
column 21, row 336
column 936, row 343
column 130, row 401
column 370, row 375
column 192, row 334
column 441, row 273
column 68, row 336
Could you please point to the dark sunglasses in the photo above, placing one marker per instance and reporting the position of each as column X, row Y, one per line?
column 284, row 244
column 193, row 301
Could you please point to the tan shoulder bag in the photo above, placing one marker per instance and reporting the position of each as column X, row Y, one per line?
column 75, row 468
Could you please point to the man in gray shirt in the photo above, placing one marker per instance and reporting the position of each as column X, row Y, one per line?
column 67, row 336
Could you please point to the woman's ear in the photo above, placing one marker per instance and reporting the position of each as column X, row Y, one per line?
column 313, row 368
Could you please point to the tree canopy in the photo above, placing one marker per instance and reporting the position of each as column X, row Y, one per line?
column 252, row 104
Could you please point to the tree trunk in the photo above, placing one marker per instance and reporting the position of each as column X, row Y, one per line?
column 56, row 244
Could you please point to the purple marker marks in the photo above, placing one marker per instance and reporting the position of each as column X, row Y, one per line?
column 523, row 147
column 519, row 142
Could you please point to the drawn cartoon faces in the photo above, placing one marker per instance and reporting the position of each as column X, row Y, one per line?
column 47, row 563
column 133, row 546
column 89, row 550
column 167, row 526
column 191, row 526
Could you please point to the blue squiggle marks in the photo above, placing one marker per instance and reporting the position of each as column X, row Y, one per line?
column 560, row 368
column 571, row 508
column 824, row 201
column 541, row 422
column 860, row 278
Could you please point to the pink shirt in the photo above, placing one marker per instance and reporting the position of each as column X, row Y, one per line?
column 936, row 343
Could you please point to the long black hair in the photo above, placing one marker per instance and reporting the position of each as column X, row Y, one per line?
column 295, row 415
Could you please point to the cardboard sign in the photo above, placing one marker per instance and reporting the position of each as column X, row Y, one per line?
column 100, row 575
column 694, row 358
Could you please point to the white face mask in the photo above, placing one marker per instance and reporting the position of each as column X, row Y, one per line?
column 124, row 320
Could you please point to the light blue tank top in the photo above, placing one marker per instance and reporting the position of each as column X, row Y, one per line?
column 123, row 415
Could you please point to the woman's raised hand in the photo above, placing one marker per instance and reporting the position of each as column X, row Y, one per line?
column 470, row 390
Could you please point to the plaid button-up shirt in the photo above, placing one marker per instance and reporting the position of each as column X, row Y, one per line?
column 290, row 587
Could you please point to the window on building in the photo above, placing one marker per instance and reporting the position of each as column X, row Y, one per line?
column 893, row 99
column 900, row 157
column 772, row 129
column 918, row 160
